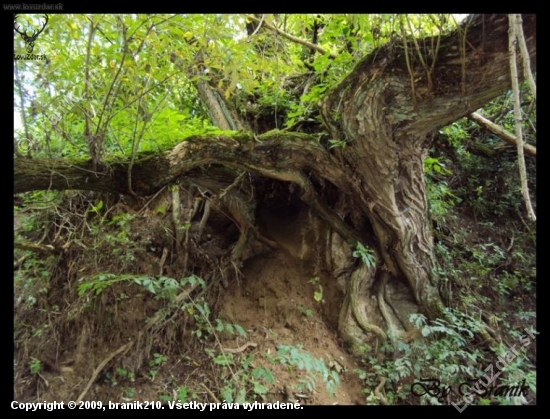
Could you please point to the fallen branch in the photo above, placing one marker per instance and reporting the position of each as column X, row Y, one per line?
column 501, row 132
column 209, row 392
column 19, row 261
column 100, row 367
column 34, row 247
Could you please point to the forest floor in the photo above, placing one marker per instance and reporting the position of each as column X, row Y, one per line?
column 274, row 302
column 77, row 347
column 270, row 335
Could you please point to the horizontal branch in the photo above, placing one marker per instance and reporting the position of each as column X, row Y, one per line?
column 468, row 69
column 288, row 157
column 34, row 247
column 274, row 155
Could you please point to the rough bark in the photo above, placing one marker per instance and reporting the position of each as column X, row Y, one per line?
column 387, row 123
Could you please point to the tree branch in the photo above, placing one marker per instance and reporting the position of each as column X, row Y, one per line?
column 291, row 37
column 278, row 153
column 501, row 132
column 517, row 115
column 383, row 75
column 525, row 56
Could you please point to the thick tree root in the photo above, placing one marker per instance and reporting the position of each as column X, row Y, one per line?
column 378, row 393
column 124, row 348
column 355, row 285
column 352, row 323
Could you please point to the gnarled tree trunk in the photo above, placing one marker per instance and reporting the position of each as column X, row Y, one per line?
column 386, row 111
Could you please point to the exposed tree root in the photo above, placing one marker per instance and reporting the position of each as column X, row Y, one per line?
column 357, row 278
column 240, row 348
column 204, row 219
column 210, row 393
column 351, row 313
column 382, row 304
column 378, row 393
column 100, row 367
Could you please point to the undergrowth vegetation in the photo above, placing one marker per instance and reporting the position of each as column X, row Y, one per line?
column 103, row 285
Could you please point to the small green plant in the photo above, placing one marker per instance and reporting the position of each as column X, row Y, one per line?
column 158, row 361
column 118, row 376
column 241, row 381
column 450, row 358
column 246, row 383
column 337, row 143
column 36, row 366
column 200, row 311
column 161, row 209
column 182, row 393
column 296, row 357
column 100, row 282
column 318, row 294
column 434, row 165
column 305, row 311
column 366, row 254
column 125, row 374
column 129, row 393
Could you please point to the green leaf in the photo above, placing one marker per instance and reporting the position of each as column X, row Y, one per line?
column 224, row 359
column 263, row 374
column 229, row 328
column 227, row 394
column 182, row 394
column 97, row 208
column 318, row 295
column 240, row 330
column 260, row 388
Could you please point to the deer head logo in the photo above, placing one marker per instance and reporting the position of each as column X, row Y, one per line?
column 29, row 39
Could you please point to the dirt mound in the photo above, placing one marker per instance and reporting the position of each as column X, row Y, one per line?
column 279, row 301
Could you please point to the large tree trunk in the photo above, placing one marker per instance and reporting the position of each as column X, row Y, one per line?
column 385, row 111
